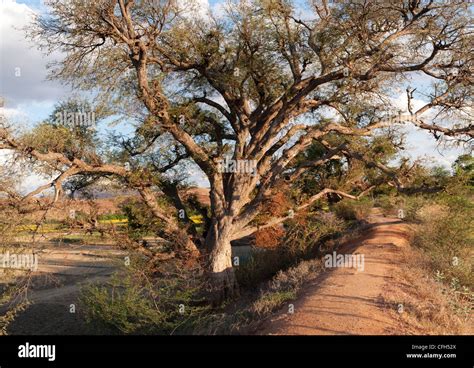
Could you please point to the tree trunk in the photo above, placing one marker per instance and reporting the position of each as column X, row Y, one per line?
column 222, row 276
column 170, row 226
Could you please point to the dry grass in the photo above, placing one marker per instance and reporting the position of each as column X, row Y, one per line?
column 429, row 307
column 248, row 315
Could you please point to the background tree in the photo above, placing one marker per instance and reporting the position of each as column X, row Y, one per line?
column 464, row 169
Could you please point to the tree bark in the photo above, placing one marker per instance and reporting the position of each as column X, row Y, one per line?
column 221, row 272
column 173, row 228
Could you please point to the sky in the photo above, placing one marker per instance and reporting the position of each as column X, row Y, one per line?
column 29, row 98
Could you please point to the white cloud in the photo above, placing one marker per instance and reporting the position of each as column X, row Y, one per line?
column 401, row 102
column 11, row 113
column 195, row 8
column 23, row 68
column 219, row 9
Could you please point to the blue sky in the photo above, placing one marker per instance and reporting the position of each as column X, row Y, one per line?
column 29, row 98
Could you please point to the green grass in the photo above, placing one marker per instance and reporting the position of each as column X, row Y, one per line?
column 272, row 301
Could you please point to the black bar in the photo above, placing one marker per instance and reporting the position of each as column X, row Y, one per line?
column 353, row 350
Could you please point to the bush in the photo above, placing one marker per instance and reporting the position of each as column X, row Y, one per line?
column 293, row 278
column 411, row 205
column 136, row 303
column 12, row 302
column 284, row 286
column 302, row 240
column 140, row 221
column 112, row 216
column 271, row 301
column 260, row 266
column 352, row 210
column 386, row 203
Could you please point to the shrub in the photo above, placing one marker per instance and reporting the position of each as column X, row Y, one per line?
column 271, row 301
column 411, row 206
column 302, row 240
column 260, row 266
column 12, row 302
column 136, row 303
column 386, row 203
column 112, row 216
column 293, row 278
column 284, row 286
column 140, row 221
column 352, row 210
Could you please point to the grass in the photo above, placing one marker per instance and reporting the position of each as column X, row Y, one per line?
column 114, row 222
column 110, row 217
column 270, row 302
column 243, row 316
column 436, row 295
column 436, row 274
column 445, row 234
column 271, row 278
column 284, row 286
column 429, row 306
column 45, row 228
column 197, row 219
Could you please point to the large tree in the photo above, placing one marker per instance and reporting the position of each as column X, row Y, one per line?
column 257, row 85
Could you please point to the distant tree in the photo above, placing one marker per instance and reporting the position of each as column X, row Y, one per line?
column 464, row 168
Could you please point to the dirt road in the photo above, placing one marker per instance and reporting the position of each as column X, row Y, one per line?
column 62, row 271
column 348, row 301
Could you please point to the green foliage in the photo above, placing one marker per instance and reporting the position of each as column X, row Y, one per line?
column 271, row 301
column 302, row 240
column 70, row 130
column 121, row 306
column 260, row 266
column 386, row 202
column 293, row 278
column 112, row 216
column 135, row 303
column 410, row 206
column 272, row 295
column 303, row 236
column 11, row 298
column 46, row 137
column 464, row 170
column 440, row 175
column 351, row 210
column 140, row 220
column 7, row 319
